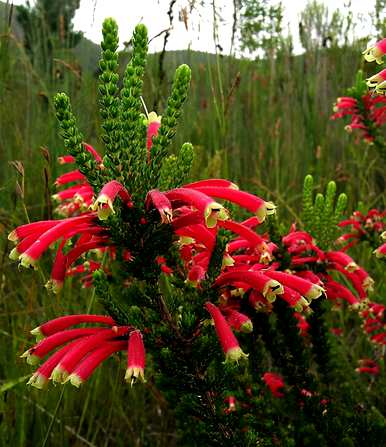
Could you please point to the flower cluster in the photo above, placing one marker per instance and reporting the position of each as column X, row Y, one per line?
column 360, row 227
column 367, row 113
column 74, row 353
column 376, row 53
column 374, row 324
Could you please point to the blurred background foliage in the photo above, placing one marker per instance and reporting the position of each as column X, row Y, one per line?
column 262, row 120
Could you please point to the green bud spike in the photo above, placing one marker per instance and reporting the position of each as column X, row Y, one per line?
column 175, row 170
column 327, row 226
column 109, row 100
column 318, row 212
column 73, row 141
column 169, row 121
column 133, row 140
column 308, row 207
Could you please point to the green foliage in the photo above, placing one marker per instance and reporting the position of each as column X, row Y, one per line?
column 175, row 169
column 321, row 216
column 169, row 121
column 73, row 141
column 109, row 100
column 185, row 348
column 260, row 25
column 133, row 151
column 47, row 26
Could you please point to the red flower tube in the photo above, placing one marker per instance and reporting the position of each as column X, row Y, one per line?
column 37, row 352
column 41, row 376
column 69, row 362
column 211, row 210
column 33, row 253
column 375, row 52
column 261, row 282
column 88, row 365
column 304, row 287
column 274, row 382
column 135, row 358
column 252, row 203
column 61, row 323
column 104, row 202
column 228, row 341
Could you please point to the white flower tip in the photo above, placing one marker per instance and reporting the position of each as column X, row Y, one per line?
column 74, row 379
column 13, row 236
column 59, row 374
column 38, row 381
column 14, row 254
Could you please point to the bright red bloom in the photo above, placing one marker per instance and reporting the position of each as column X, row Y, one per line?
column 302, row 325
column 135, row 358
column 228, row 341
column 274, row 382
column 237, row 320
column 153, row 123
column 62, row 323
column 250, row 202
column 380, row 252
column 104, row 202
column 375, row 52
column 161, row 203
column 260, row 281
column 368, row 366
column 88, row 365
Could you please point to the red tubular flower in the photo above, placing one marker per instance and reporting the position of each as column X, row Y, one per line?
column 302, row 325
column 343, row 259
column 212, row 182
column 86, row 345
column 255, row 240
column 375, row 52
column 274, row 382
column 56, row 231
column 368, row 366
column 231, row 401
column 258, row 302
column 64, row 159
column 63, row 262
column 93, row 152
column 37, row 228
column 162, row 203
column 135, row 358
column 269, row 287
column 334, row 291
column 104, row 202
column 37, row 352
column 237, row 320
column 68, row 177
column 352, row 277
column 252, row 203
column 61, row 323
column 41, row 376
column 200, row 234
column 380, row 252
column 377, row 82
column 304, row 287
column 153, row 123
column 210, row 210
column 88, row 365
column 294, row 299
column 228, row 341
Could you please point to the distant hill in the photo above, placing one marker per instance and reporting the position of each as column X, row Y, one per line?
column 88, row 53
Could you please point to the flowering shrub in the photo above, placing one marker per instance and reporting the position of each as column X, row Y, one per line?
column 193, row 284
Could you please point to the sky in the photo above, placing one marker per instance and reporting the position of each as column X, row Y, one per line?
column 198, row 35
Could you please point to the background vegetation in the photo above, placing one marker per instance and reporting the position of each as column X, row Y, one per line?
column 262, row 121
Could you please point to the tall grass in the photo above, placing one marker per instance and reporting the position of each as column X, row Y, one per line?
column 264, row 124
